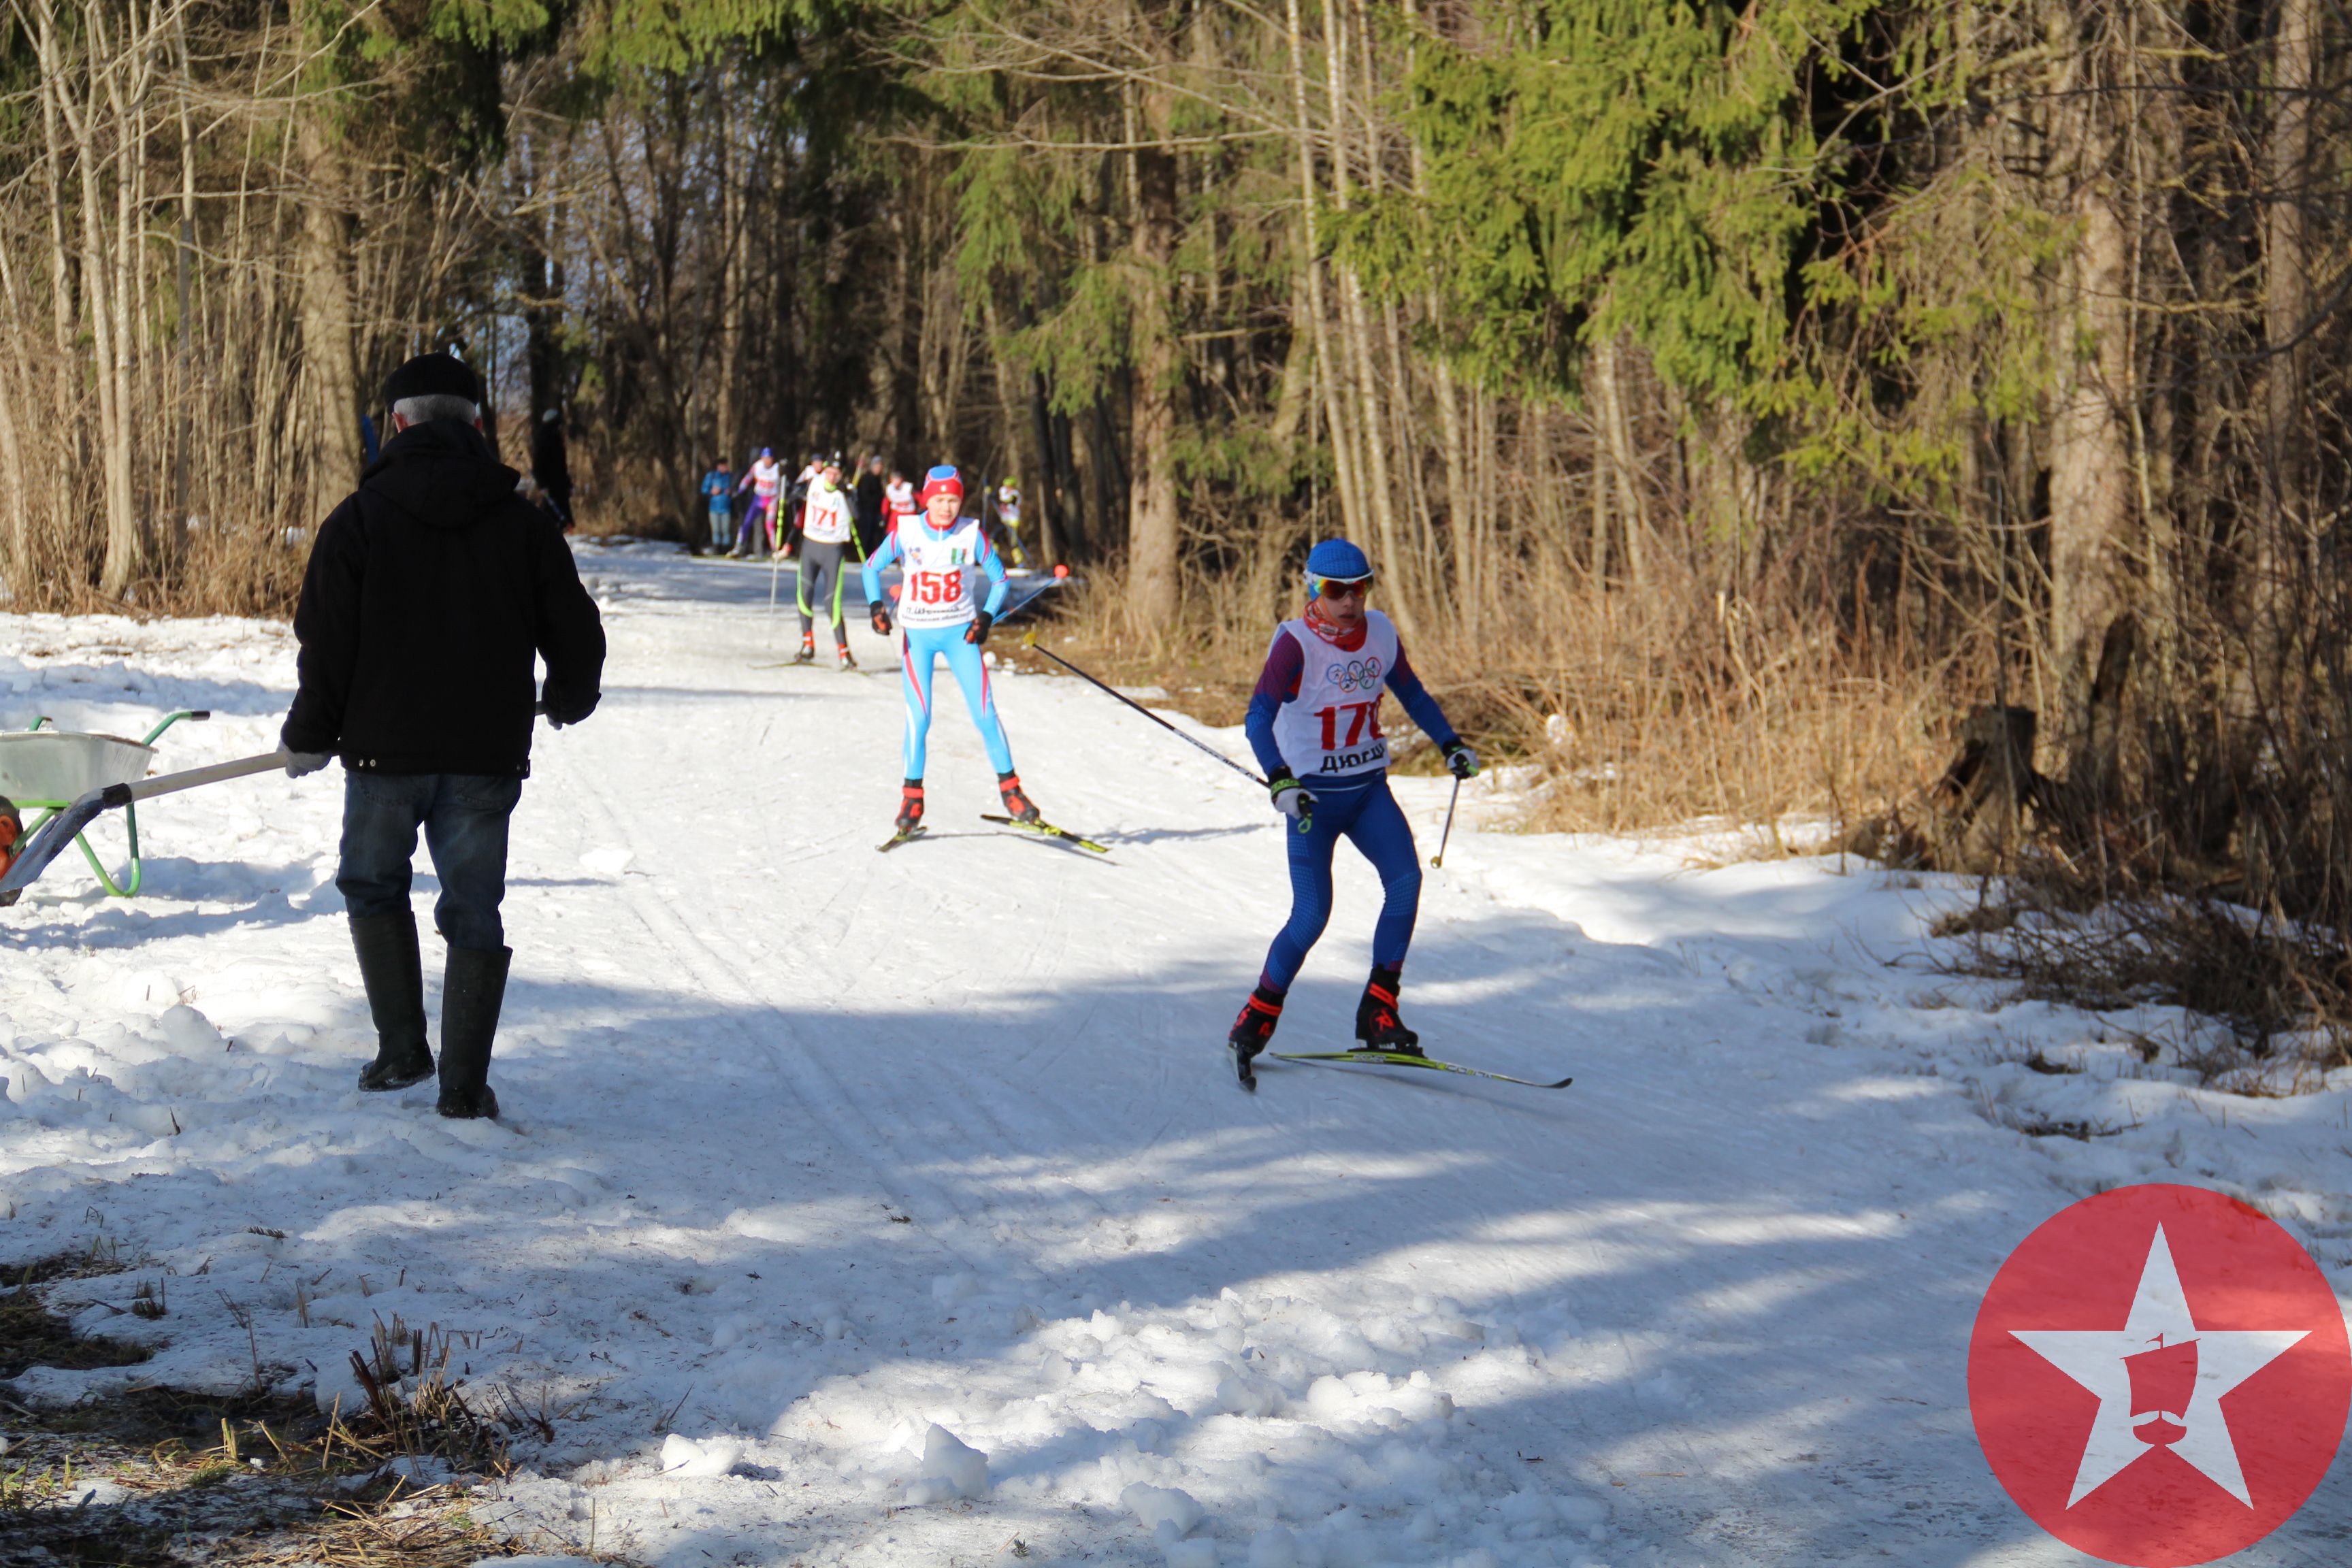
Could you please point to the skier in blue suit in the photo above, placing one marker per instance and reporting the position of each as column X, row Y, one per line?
column 1315, row 723
column 937, row 619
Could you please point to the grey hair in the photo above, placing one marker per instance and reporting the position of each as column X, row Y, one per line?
column 438, row 405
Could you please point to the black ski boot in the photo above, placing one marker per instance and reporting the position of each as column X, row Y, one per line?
column 472, row 988
column 808, row 651
column 841, row 653
column 1376, row 1023
column 394, row 974
column 1018, row 806
column 910, row 806
column 1253, row 1029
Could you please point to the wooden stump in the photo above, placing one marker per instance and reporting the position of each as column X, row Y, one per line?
column 1980, row 803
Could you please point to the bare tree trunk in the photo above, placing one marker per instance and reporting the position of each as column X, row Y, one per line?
column 2091, row 488
column 15, row 496
column 1361, row 369
column 1152, row 524
column 98, row 274
column 2286, row 320
column 727, row 418
column 1343, row 455
column 326, row 317
column 1009, row 404
column 1616, row 450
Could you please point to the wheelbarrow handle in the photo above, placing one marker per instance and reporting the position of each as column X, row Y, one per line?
column 34, row 855
column 192, row 778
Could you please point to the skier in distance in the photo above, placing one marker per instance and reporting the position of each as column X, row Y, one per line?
column 936, row 616
column 765, row 479
column 828, row 538
column 1315, row 723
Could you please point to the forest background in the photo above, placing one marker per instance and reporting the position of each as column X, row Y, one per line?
column 1749, row 406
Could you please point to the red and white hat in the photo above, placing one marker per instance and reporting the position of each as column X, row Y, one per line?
column 941, row 480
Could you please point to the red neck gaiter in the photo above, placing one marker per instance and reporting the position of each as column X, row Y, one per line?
column 1318, row 621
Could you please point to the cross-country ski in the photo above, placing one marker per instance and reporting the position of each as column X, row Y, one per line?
column 1412, row 1059
column 1046, row 830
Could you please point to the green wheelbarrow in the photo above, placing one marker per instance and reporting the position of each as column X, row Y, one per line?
column 46, row 771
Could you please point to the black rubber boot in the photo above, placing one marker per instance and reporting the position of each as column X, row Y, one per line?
column 393, row 975
column 1376, row 1023
column 472, row 988
column 1253, row 1029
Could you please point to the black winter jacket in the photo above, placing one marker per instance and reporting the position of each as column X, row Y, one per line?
column 428, row 591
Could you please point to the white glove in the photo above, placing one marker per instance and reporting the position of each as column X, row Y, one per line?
column 301, row 762
column 1291, row 799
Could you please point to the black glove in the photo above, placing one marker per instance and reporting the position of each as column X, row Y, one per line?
column 561, row 711
column 881, row 618
column 977, row 633
column 1460, row 761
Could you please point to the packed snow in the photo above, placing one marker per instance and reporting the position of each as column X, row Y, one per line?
column 901, row 1209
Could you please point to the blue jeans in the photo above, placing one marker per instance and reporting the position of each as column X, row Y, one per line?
column 923, row 647
column 1367, row 817
column 464, row 820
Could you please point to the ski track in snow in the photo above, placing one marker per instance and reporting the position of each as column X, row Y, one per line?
column 826, row 1174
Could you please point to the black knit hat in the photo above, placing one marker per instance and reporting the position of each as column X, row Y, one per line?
column 432, row 375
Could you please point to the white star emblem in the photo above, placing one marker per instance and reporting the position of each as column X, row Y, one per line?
column 2173, row 1410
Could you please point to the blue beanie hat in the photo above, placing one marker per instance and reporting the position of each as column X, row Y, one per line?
column 1339, row 558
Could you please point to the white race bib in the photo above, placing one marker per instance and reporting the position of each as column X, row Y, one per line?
column 1331, row 730
column 937, row 592
column 826, row 519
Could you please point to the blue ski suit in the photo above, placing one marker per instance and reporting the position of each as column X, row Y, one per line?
column 1346, row 774
column 935, row 610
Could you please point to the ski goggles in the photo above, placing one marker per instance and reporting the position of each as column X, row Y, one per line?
column 1337, row 587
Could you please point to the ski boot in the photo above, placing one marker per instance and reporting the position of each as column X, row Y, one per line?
column 842, row 654
column 1253, row 1029
column 910, row 806
column 1018, row 806
column 808, row 651
column 1376, row 1023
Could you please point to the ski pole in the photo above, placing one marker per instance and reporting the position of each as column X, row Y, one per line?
column 1452, row 800
column 1030, row 642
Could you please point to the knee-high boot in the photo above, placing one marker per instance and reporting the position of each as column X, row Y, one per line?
column 472, row 989
column 394, row 974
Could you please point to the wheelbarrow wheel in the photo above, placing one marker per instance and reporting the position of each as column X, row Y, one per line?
column 12, row 829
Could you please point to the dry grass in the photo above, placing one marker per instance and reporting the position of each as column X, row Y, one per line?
column 254, row 1479
column 1638, row 714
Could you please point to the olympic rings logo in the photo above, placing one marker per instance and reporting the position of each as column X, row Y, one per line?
column 1355, row 674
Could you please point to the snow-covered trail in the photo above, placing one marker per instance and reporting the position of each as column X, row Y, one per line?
column 809, row 1148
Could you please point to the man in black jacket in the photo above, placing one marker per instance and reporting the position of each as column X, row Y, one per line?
column 551, row 465
column 871, row 502
column 428, row 594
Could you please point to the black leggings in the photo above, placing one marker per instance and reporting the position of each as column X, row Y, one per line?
column 821, row 580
